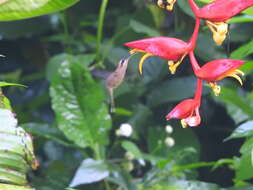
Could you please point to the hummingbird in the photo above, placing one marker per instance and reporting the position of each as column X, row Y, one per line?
column 116, row 78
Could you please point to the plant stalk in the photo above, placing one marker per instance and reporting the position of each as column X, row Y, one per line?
column 100, row 26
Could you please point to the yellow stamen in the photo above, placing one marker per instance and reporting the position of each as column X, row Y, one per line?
column 216, row 88
column 173, row 66
column 219, row 30
column 236, row 77
column 183, row 123
column 132, row 51
column 237, row 71
column 144, row 57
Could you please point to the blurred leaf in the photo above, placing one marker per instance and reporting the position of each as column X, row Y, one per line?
column 131, row 147
column 46, row 131
column 123, row 112
column 4, row 102
column 249, row 11
column 178, row 184
column 247, row 67
column 15, row 9
column 89, row 171
column 196, row 185
column 141, row 28
column 240, row 19
column 154, row 69
column 244, row 130
column 157, row 14
column 14, row 187
column 206, row 48
column 2, row 84
column 243, row 51
column 243, row 167
column 56, row 61
column 123, row 179
column 185, row 8
column 78, row 104
column 140, row 117
column 16, row 150
column 237, row 106
column 172, row 90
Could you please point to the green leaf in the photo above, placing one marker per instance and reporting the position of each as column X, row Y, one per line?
column 240, row 19
column 243, row 167
column 244, row 130
column 131, row 147
column 178, row 184
column 78, row 104
column 14, row 187
column 46, row 131
column 141, row 28
column 2, row 84
column 16, row 150
column 249, row 11
column 247, row 67
column 4, row 102
column 172, row 90
column 89, row 171
column 237, row 106
column 16, row 9
column 243, row 51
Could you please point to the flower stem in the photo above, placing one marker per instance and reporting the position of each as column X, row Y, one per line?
column 100, row 26
column 194, row 63
column 194, row 7
column 194, row 36
column 198, row 92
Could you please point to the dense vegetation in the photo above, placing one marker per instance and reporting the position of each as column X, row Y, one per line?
column 63, row 60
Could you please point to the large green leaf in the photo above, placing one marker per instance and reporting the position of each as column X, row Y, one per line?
column 244, row 130
column 78, row 104
column 172, row 90
column 237, row 106
column 16, row 151
column 243, row 165
column 90, row 171
column 21, row 9
column 243, row 51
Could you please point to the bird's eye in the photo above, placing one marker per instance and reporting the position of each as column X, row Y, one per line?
column 121, row 62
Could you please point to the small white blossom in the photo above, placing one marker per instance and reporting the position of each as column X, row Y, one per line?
column 125, row 130
column 169, row 141
column 168, row 129
column 129, row 156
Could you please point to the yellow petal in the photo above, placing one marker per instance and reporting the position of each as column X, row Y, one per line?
column 237, row 71
column 236, row 77
column 144, row 57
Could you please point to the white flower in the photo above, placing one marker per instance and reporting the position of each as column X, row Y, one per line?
column 168, row 129
column 125, row 129
column 169, row 141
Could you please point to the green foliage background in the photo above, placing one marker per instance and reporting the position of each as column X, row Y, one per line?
column 63, row 59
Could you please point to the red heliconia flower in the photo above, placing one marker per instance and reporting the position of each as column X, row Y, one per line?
column 188, row 110
column 217, row 70
column 217, row 13
column 171, row 49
